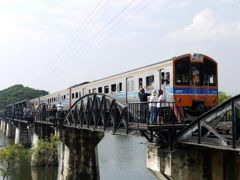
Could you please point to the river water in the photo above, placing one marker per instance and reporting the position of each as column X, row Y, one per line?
column 122, row 157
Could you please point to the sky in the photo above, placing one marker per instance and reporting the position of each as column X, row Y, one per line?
column 52, row 45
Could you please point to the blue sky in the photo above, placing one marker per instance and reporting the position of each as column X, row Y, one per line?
column 54, row 44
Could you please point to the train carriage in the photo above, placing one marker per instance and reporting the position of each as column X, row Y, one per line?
column 189, row 80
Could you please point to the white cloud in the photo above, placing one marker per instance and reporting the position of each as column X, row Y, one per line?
column 204, row 26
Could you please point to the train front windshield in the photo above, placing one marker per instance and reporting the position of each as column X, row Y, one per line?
column 202, row 73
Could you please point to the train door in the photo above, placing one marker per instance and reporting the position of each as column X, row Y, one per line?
column 199, row 91
column 129, row 89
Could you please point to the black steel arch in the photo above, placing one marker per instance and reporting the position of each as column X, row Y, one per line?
column 97, row 111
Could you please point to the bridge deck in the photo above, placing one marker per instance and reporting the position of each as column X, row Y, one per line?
column 145, row 126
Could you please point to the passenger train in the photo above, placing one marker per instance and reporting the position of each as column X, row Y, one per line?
column 189, row 80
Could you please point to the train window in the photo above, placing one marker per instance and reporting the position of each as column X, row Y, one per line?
column 76, row 95
column 80, row 95
column 167, row 79
column 100, row 90
column 94, row 90
column 64, row 96
column 54, row 99
column 89, row 91
column 120, row 86
column 106, row 89
column 210, row 71
column 182, row 68
column 113, row 88
column 140, row 83
column 149, row 80
column 162, row 77
column 72, row 95
column 196, row 71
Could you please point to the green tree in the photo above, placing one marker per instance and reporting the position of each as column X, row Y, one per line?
column 17, row 93
column 10, row 158
column 222, row 96
column 45, row 154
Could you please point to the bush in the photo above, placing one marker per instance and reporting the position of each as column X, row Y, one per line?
column 10, row 158
column 222, row 96
column 45, row 154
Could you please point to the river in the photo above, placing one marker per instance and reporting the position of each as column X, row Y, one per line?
column 120, row 157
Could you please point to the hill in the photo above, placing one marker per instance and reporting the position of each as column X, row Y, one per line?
column 17, row 93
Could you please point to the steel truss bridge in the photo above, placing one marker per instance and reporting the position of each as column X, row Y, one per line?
column 218, row 128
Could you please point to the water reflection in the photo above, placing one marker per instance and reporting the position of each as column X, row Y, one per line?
column 123, row 157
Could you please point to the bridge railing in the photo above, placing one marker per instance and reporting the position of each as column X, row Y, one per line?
column 218, row 127
column 167, row 113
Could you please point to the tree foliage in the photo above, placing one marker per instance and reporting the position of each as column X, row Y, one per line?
column 17, row 93
column 10, row 158
column 45, row 154
column 222, row 96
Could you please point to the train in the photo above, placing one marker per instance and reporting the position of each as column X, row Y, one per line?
column 189, row 80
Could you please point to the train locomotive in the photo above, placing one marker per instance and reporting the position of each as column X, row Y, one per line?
column 189, row 80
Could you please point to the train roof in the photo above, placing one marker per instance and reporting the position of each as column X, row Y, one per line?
column 77, row 85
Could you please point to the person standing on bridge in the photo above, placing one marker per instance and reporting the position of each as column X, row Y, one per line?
column 153, row 107
column 159, row 106
column 143, row 97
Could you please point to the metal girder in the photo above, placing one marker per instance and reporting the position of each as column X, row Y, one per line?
column 220, row 137
column 96, row 111
column 218, row 127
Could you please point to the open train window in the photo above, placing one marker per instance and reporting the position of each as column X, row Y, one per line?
column 182, row 68
column 149, row 80
column 140, row 83
column 113, row 88
column 120, row 86
column 106, row 89
column 76, row 95
column 167, row 79
column 210, row 73
column 94, row 90
column 100, row 90
column 162, row 77
column 72, row 95
column 80, row 95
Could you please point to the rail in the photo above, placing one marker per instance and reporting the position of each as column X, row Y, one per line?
column 168, row 112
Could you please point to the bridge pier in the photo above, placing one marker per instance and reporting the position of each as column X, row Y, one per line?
column 3, row 126
column 78, row 157
column 43, row 131
column 10, row 129
column 22, row 134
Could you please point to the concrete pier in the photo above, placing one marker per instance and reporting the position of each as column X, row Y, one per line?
column 78, row 154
